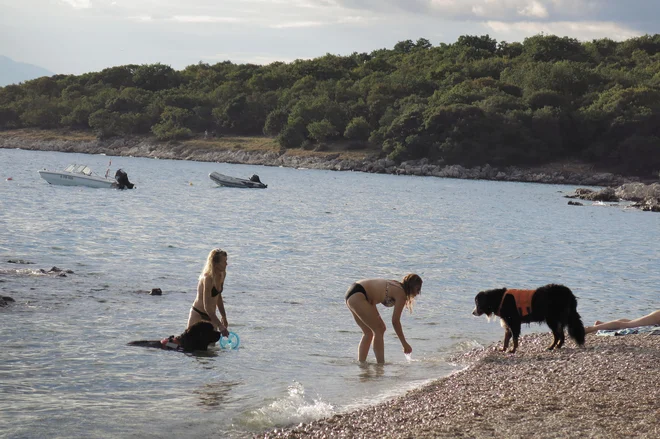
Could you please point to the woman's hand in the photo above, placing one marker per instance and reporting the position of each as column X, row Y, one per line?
column 223, row 331
column 407, row 349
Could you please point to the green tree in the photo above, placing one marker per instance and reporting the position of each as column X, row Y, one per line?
column 275, row 121
column 154, row 77
column 293, row 134
column 106, row 123
column 172, row 124
column 357, row 129
column 321, row 130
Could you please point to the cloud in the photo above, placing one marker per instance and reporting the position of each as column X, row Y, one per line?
column 204, row 19
column 534, row 9
column 298, row 24
column 78, row 4
column 350, row 20
column 631, row 11
column 583, row 30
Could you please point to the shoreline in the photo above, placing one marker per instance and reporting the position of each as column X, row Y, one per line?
column 230, row 150
column 608, row 389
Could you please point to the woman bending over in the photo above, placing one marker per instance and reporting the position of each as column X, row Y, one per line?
column 362, row 298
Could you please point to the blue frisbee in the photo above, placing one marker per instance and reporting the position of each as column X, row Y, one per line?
column 230, row 342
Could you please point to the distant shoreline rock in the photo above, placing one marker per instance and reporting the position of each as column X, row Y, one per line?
column 147, row 147
column 645, row 197
column 5, row 301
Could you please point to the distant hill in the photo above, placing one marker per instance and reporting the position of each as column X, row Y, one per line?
column 12, row 72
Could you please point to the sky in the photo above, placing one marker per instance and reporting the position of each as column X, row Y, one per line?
column 78, row 36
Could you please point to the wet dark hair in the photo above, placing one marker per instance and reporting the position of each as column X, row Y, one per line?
column 217, row 253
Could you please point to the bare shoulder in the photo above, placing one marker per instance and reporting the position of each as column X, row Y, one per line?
column 205, row 280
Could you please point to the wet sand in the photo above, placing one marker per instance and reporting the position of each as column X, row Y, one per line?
column 608, row 389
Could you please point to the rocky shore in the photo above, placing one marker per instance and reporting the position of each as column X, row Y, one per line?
column 645, row 197
column 608, row 389
column 618, row 187
column 365, row 161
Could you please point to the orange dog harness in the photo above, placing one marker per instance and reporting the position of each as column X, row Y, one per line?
column 523, row 300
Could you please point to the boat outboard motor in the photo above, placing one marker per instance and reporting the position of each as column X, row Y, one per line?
column 255, row 178
column 122, row 180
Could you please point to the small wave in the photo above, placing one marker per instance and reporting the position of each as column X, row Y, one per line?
column 26, row 272
column 387, row 395
column 294, row 408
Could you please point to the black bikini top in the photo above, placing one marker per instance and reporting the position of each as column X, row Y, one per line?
column 215, row 292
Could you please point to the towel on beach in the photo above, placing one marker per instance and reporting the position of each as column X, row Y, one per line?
column 651, row 330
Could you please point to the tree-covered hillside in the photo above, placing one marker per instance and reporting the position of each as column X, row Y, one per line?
column 472, row 102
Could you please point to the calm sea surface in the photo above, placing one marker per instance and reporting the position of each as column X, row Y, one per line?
column 294, row 248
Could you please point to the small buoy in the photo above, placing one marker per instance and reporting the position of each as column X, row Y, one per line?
column 9, row 179
column 190, row 183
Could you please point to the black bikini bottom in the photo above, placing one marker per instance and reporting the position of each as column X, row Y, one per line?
column 356, row 288
column 202, row 313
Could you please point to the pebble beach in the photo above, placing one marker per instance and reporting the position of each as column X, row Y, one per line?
column 607, row 389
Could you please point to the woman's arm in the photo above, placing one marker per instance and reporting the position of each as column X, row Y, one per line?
column 209, row 304
column 223, row 314
column 221, row 302
column 396, row 324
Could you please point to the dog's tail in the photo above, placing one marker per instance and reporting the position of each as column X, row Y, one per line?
column 575, row 326
column 146, row 343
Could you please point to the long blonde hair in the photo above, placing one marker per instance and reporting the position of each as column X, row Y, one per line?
column 409, row 283
column 212, row 259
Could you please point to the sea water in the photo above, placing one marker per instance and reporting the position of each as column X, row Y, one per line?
column 294, row 248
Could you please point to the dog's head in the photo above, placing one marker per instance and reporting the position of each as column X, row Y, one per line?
column 199, row 336
column 488, row 302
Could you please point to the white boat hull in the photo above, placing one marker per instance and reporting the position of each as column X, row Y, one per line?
column 61, row 178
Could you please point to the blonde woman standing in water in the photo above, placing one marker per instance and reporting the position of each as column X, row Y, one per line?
column 362, row 298
column 209, row 293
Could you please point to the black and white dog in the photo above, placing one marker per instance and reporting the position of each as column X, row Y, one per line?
column 196, row 338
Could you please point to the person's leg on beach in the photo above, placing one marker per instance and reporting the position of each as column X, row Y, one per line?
column 365, row 341
column 193, row 318
column 368, row 315
column 647, row 320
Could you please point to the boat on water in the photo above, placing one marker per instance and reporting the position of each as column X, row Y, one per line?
column 225, row 180
column 82, row 175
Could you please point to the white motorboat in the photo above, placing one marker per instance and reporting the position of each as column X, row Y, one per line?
column 82, row 175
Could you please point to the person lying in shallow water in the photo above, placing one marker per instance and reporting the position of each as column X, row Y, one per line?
column 362, row 298
column 647, row 320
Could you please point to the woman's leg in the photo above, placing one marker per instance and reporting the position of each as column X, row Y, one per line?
column 598, row 322
column 367, row 317
column 193, row 317
column 365, row 341
column 647, row 320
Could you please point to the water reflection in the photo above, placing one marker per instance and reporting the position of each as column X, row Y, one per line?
column 371, row 371
column 214, row 394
